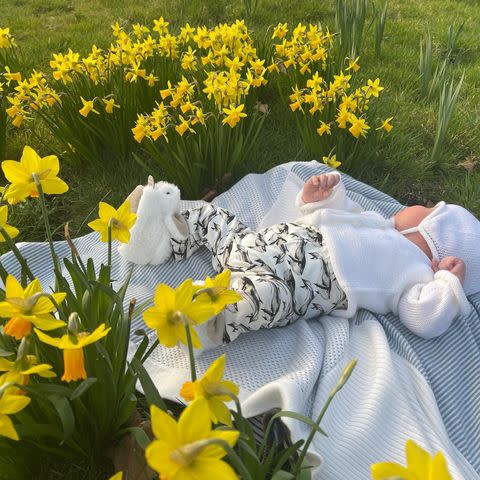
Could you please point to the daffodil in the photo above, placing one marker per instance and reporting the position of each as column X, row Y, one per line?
column 110, row 104
column 20, row 176
column 324, row 128
column 359, row 127
column 216, row 292
column 170, row 311
column 10, row 404
column 234, row 114
column 12, row 232
column 185, row 449
column 372, row 88
column 24, row 367
column 214, row 390
column 331, row 161
column 72, row 345
column 28, row 306
column 121, row 221
column 87, row 107
column 353, row 65
column 420, row 466
column 183, row 126
column 386, row 125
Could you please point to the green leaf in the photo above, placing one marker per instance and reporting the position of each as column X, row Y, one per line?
column 140, row 436
column 149, row 388
column 282, row 475
column 65, row 412
column 83, row 387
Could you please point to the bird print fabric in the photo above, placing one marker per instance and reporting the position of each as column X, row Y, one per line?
column 282, row 272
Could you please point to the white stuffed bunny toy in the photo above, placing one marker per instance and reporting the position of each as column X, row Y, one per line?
column 158, row 220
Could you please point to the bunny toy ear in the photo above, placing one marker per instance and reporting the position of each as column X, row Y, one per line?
column 177, row 226
column 135, row 197
column 150, row 181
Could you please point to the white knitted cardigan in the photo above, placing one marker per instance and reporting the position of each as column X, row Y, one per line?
column 380, row 270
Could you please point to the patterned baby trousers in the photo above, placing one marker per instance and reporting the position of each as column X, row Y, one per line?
column 283, row 272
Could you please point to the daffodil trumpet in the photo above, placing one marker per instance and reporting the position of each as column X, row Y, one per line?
column 48, row 230
column 16, row 252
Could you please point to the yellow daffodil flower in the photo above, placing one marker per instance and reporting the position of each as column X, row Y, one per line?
column 280, row 31
column 386, row 125
column 331, row 161
column 214, row 390
column 161, row 26
column 234, row 115
column 324, row 128
column 184, row 450
column 121, row 221
column 24, row 367
column 87, row 107
column 353, row 64
column 359, row 127
column 12, row 232
column 110, row 104
column 72, row 346
column 216, row 292
column 6, row 38
column 420, row 466
column 10, row 404
column 343, row 117
column 20, row 175
column 12, row 76
column 183, row 126
column 28, row 306
column 372, row 88
column 171, row 308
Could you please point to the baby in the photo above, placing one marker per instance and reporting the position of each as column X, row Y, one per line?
column 335, row 259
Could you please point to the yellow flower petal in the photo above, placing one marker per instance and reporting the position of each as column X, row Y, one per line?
column 381, row 471
column 164, row 426
column 15, row 172
column 194, row 422
column 7, row 429
column 215, row 371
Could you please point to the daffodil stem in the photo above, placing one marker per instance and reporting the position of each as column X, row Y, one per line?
column 43, row 206
column 109, row 256
column 193, row 371
column 341, row 382
column 234, row 458
column 17, row 253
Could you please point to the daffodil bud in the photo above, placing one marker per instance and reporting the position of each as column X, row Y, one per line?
column 74, row 324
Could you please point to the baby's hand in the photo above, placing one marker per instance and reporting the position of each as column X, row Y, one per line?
column 319, row 187
column 453, row 265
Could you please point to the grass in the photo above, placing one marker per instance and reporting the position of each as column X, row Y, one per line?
column 400, row 166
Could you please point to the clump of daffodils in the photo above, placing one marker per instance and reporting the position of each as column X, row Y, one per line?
column 219, row 68
column 332, row 103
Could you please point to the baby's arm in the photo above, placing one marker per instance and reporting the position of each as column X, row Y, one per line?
column 428, row 309
column 325, row 191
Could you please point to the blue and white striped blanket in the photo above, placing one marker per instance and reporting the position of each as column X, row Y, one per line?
column 403, row 387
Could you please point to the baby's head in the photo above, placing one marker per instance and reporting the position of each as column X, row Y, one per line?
column 450, row 230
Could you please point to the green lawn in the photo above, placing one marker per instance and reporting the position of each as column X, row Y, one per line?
column 397, row 167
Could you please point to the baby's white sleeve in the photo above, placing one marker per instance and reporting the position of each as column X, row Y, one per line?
column 338, row 200
column 428, row 309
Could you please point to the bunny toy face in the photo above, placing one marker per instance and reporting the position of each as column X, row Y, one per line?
column 159, row 198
